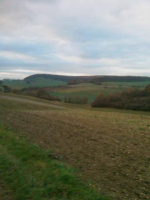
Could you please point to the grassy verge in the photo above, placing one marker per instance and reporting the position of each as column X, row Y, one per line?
column 29, row 172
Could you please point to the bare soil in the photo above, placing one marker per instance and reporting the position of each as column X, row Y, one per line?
column 111, row 150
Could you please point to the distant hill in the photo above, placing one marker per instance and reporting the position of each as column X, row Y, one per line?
column 51, row 80
column 55, row 77
column 71, row 80
column 35, row 81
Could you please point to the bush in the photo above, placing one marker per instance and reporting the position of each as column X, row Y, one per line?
column 9, row 89
column 132, row 99
column 37, row 92
column 44, row 95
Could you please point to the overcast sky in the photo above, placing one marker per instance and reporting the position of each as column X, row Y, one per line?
column 74, row 37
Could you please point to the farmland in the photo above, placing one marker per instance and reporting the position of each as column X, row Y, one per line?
column 109, row 148
column 92, row 90
column 38, row 82
column 59, row 87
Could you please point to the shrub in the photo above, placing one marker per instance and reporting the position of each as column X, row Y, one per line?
column 130, row 99
column 41, row 93
column 9, row 89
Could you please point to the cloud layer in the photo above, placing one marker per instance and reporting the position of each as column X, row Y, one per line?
column 74, row 37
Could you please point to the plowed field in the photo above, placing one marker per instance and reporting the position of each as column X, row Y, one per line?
column 111, row 150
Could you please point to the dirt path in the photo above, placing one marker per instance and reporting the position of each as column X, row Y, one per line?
column 30, row 101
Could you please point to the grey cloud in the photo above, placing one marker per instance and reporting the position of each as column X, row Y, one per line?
column 75, row 36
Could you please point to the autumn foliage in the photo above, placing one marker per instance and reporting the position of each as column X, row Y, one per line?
column 130, row 99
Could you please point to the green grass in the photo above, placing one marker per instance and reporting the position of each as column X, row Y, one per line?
column 92, row 91
column 15, row 105
column 38, row 82
column 29, row 172
column 86, row 89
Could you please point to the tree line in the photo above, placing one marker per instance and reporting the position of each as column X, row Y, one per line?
column 132, row 98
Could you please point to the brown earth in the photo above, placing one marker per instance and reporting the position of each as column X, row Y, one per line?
column 111, row 150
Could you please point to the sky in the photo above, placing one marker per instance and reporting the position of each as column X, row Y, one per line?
column 68, row 37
